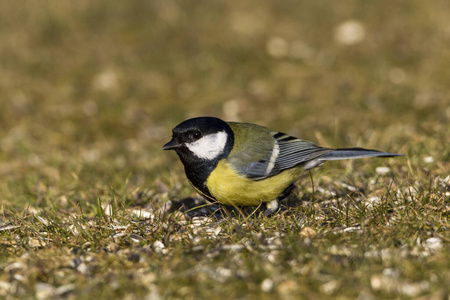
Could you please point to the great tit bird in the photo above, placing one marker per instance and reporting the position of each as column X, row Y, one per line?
column 243, row 164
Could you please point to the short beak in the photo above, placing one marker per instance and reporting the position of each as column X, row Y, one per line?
column 171, row 145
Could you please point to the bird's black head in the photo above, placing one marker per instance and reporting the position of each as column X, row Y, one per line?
column 201, row 143
column 204, row 138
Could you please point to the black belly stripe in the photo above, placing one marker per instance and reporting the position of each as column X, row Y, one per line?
column 206, row 195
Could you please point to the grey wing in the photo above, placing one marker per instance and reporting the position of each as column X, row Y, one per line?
column 287, row 153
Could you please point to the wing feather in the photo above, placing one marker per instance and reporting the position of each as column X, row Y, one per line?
column 264, row 153
column 291, row 152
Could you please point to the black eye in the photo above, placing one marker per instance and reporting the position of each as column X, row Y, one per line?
column 196, row 135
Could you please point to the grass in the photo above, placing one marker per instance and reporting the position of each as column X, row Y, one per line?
column 91, row 206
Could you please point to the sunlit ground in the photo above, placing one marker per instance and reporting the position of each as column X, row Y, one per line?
column 91, row 206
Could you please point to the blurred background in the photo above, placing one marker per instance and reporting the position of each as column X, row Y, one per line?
column 91, row 90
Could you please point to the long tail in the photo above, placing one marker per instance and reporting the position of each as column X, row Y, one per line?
column 351, row 153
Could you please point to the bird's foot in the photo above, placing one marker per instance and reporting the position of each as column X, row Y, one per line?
column 271, row 207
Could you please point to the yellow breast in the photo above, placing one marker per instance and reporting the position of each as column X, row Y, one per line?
column 231, row 188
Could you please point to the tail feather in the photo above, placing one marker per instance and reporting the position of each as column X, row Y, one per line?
column 351, row 153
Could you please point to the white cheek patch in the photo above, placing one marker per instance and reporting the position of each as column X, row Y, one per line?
column 210, row 146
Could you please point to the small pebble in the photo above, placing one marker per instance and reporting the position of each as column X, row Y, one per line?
column 372, row 201
column 4, row 287
column 142, row 214
column 414, row 289
column 83, row 268
column 277, row 47
column 108, row 210
column 308, row 232
column 330, row 287
column 44, row 290
column 434, row 243
column 65, row 289
column 15, row 266
column 428, row 159
column 350, row 32
column 159, row 247
column 234, row 247
column 267, row 285
column 383, row 170
column 217, row 231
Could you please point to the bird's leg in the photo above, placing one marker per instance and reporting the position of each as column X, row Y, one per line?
column 287, row 192
column 271, row 207
column 274, row 205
